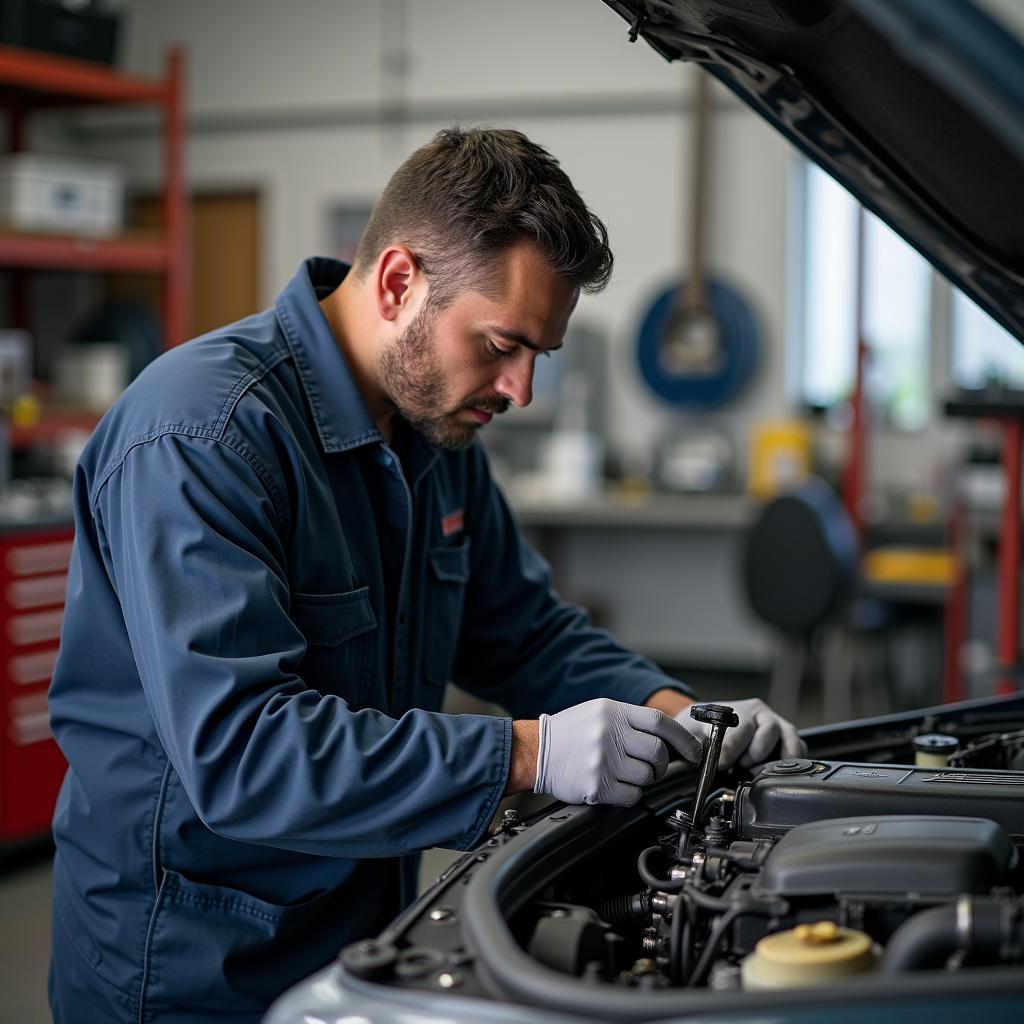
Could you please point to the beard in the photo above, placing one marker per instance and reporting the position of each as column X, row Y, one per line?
column 414, row 383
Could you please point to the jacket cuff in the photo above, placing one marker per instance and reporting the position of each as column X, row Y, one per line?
column 499, row 768
column 638, row 689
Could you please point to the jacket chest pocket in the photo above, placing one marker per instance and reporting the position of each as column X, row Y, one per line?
column 340, row 631
column 447, row 577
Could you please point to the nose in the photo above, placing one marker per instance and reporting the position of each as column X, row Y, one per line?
column 516, row 383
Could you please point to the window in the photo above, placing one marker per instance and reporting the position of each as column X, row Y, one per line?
column 983, row 352
column 897, row 314
column 897, row 308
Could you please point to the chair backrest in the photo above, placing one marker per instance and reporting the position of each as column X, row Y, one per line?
column 800, row 560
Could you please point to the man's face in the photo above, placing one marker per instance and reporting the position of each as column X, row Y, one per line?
column 451, row 370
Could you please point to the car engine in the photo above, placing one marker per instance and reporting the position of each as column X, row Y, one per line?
column 881, row 871
column 814, row 871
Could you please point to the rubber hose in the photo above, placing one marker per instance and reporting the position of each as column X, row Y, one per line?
column 989, row 926
column 626, row 909
column 648, row 877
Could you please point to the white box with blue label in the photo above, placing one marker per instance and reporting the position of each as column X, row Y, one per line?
column 65, row 195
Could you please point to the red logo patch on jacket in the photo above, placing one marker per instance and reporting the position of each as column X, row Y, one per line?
column 453, row 522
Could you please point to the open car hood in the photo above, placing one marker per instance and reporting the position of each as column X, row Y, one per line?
column 915, row 106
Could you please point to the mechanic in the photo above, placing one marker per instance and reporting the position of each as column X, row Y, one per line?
column 287, row 542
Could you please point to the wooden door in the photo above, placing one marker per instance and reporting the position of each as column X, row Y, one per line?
column 225, row 258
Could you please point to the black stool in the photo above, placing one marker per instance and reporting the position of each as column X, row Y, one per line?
column 800, row 567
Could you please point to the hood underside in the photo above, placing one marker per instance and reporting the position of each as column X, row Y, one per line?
column 915, row 106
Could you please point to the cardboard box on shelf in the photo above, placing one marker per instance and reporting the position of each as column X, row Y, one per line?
column 67, row 195
column 91, row 376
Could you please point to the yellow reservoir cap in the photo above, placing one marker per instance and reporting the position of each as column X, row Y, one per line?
column 933, row 750
column 808, row 955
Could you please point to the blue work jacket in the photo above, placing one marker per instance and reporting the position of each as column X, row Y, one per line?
column 264, row 606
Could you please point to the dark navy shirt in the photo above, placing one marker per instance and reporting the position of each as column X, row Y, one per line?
column 254, row 740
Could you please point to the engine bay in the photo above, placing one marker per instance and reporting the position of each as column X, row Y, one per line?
column 884, row 866
column 814, row 871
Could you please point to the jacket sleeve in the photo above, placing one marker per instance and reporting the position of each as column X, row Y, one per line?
column 521, row 646
column 192, row 535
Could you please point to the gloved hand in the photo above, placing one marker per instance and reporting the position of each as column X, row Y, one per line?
column 603, row 751
column 754, row 739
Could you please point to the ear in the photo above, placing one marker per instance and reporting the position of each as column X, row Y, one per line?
column 397, row 271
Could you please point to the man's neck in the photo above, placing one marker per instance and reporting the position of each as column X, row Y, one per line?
column 341, row 310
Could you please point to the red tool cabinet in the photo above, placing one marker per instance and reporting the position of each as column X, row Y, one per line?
column 33, row 579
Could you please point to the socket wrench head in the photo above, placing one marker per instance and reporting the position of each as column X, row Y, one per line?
column 715, row 714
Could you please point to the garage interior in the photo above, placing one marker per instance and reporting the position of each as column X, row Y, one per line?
column 691, row 506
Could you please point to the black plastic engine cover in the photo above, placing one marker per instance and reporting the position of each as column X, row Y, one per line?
column 888, row 855
column 790, row 793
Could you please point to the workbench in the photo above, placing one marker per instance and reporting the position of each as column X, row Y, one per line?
column 661, row 571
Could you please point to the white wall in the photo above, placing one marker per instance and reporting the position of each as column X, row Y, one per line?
column 287, row 97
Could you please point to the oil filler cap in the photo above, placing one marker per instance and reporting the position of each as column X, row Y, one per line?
column 793, row 766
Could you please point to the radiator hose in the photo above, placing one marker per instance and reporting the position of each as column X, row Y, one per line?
column 989, row 928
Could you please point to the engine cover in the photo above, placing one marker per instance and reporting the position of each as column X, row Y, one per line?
column 790, row 793
column 889, row 855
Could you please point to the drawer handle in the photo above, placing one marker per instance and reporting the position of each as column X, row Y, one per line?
column 30, row 720
column 35, row 628
column 37, row 558
column 26, row 669
column 37, row 591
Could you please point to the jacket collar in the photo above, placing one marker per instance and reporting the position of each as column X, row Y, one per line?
column 341, row 417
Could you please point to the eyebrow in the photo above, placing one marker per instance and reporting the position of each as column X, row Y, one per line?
column 521, row 339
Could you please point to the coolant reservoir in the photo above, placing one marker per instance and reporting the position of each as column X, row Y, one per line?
column 933, row 750
column 808, row 955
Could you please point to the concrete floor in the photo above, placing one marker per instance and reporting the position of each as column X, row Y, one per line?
column 25, row 940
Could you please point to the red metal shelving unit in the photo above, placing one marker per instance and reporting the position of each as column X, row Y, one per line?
column 33, row 560
column 37, row 81
column 143, row 254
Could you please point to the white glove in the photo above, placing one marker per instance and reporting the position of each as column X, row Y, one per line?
column 603, row 751
column 753, row 740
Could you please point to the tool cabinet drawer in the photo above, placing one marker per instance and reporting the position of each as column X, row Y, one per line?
column 33, row 580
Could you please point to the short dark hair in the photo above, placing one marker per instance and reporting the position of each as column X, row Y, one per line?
column 470, row 194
